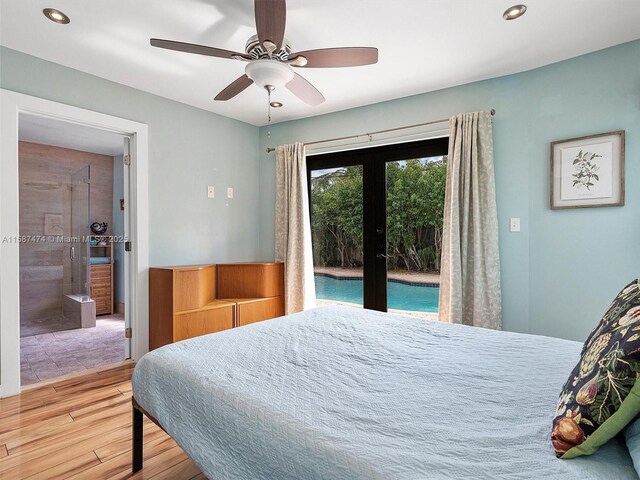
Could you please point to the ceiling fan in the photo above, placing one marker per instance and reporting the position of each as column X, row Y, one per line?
column 269, row 56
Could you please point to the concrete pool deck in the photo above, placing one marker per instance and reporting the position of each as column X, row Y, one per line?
column 401, row 275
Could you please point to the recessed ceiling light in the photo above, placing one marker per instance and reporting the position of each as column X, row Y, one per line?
column 276, row 104
column 514, row 12
column 56, row 16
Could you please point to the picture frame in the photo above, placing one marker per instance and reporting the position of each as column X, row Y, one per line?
column 588, row 171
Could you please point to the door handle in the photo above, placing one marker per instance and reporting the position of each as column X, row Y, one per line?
column 72, row 253
column 381, row 255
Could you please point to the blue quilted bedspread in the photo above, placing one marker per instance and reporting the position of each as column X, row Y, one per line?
column 341, row 393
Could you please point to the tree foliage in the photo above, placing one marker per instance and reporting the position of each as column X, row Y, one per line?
column 415, row 208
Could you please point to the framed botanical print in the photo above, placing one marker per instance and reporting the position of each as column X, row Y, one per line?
column 588, row 171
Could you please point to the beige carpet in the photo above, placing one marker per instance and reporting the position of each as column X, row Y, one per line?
column 52, row 355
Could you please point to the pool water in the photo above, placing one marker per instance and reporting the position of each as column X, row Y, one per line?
column 400, row 296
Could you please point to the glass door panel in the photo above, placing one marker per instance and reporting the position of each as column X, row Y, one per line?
column 79, row 248
column 336, row 201
column 414, row 213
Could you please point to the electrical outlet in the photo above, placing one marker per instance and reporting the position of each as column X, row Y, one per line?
column 230, row 192
column 514, row 224
column 210, row 192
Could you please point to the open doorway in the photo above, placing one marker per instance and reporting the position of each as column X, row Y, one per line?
column 72, row 232
column 13, row 104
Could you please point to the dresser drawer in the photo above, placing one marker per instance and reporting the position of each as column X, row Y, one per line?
column 194, row 324
column 100, row 293
column 103, row 305
column 100, row 272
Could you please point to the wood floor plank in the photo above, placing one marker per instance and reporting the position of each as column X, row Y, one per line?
column 46, row 395
column 81, row 428
column 160, row 463
column 184, row 470
column 105, row 422
column 59, row 408
column 17, row 401
column 152, row 435
column 10, row 406
column 120, row 466
column 99, row 381
column 40, row 428
column 49, row 395
column 104, row 406
column 126, row 389
column 74, row 466
column 104, row 373
column 51, row 455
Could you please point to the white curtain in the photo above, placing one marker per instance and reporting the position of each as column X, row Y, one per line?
column 470, row 266
column 293, row 228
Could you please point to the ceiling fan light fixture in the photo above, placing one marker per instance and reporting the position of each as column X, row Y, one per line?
column 514, row 12
column 56, row 16
column 269, row 72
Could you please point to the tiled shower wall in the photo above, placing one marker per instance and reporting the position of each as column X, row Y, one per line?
column 45, row 187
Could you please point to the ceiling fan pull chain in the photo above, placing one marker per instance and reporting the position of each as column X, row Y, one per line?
column 269, row 89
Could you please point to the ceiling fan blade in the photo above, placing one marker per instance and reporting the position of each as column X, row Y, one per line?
column 306, row 92
column 198, row 49
column 271, row 18
column 234, row 88
column 336, row 57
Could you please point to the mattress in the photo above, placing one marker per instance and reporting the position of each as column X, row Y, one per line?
column 342, row 393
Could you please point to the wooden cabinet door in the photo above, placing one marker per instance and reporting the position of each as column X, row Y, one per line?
column 194, row 324
column 259, row 310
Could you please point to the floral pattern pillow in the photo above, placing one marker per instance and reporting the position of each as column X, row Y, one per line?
column 601, row 396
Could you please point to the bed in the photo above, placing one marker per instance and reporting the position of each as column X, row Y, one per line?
column 345, row 393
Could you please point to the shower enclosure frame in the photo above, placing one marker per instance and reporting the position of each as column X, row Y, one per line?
column 79, row 241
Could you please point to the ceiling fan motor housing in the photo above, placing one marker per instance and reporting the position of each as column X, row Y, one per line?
column 269, row 72
column 256, row 50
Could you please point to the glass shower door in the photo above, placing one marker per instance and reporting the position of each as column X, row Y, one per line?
column 79, row 249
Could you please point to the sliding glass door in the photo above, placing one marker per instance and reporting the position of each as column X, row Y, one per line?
column 376, row 219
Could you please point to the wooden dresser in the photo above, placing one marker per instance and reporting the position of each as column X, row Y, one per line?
column 188, row 301
column 102, row 288
column 101, row 277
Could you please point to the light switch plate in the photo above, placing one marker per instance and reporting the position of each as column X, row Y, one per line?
column 211, row 192
column 229, row 192
column 514, row 224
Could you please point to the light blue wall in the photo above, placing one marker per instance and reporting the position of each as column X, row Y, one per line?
column 189, row 149
column 560, row 273
column 117, row 227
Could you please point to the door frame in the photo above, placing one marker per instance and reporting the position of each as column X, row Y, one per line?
column 373, row 161
column 12, row 104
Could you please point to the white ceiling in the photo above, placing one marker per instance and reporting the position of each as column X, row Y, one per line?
column 424, row 45
column 50, row 131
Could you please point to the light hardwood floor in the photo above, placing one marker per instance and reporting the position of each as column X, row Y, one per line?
column 80, row 428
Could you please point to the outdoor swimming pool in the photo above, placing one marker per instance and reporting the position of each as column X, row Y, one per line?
column 400, row 296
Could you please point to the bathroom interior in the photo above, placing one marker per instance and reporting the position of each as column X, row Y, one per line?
column 71, row 191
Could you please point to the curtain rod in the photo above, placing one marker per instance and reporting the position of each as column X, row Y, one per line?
column 271, row 149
